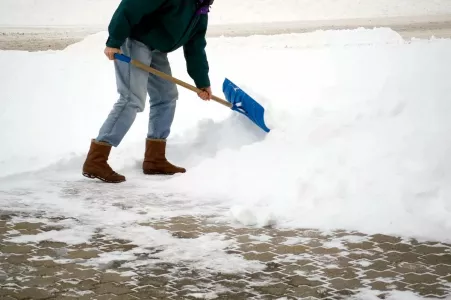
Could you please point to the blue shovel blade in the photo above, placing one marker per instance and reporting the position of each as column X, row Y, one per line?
column 243, row 103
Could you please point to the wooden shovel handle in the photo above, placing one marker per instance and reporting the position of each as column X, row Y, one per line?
column 188, row 86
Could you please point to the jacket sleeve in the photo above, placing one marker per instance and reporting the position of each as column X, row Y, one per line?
column 128, row 14
column 196, row 57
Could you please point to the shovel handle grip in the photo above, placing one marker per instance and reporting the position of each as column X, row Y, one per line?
column 188, row 86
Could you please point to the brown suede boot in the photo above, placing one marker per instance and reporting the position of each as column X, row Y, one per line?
column 155, row 161
column 96, row 165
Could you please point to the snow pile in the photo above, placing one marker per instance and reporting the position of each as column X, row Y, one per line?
column 359, row 142
column 360, row 135
column 98, row 12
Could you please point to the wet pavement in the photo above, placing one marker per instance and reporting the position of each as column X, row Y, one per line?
column 296, row 264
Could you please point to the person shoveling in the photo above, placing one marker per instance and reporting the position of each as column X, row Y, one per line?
column 141, row 34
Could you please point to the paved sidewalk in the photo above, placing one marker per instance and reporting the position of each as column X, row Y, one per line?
column 299, row 264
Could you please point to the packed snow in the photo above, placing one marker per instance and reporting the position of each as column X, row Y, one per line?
column 360, row 137
column 94, row 13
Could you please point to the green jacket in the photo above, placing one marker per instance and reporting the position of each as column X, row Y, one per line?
column 164, row 25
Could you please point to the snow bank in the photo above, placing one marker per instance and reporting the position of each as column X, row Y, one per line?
column 360, row 141
column 98, row 12
column 360, row 135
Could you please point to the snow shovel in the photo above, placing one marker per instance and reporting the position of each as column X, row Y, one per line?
column 238, row 100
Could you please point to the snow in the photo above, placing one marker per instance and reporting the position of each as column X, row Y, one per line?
column 359, row 136
column 360, row 141
column 75, row 235
column 392, row 295
column 364, row 263
column 294, row 10
column 97, row 13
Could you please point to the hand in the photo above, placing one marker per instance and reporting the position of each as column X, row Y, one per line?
column 109, row 52
column 205, row 94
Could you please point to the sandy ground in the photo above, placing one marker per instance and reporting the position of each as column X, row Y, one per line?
column 57, row 38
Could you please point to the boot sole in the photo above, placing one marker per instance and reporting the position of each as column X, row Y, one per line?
column 87, row 175
column 159, row 173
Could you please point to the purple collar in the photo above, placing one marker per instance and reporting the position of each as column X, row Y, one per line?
column 203, row 10
column 204, row 7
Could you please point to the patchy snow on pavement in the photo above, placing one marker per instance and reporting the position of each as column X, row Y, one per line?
column 392, row 295
column 360, row 141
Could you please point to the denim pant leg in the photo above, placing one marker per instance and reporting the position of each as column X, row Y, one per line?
column 131, row 86
column 163, row 96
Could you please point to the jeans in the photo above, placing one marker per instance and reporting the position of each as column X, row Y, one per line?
column 133, row 84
